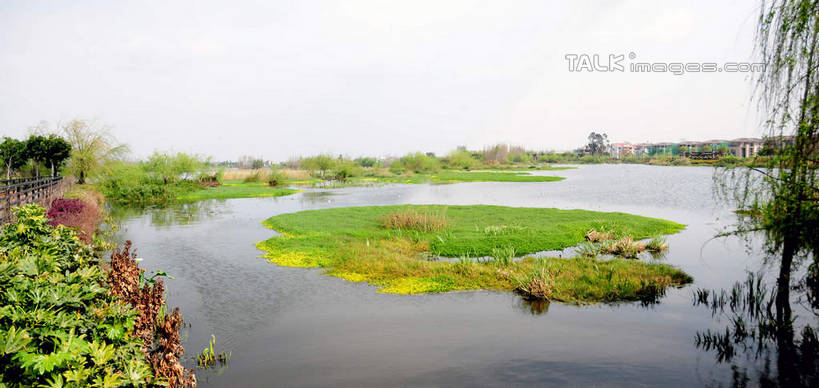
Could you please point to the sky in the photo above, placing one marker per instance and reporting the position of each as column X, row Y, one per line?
column 279, row 79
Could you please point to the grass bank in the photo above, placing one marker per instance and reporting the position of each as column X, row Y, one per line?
column 393, row 247
column 236, row 189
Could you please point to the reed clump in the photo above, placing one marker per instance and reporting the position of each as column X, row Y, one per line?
column 503, row 256
column 539, row 286
column 412, row 219
column 595, row 235
column 624, row 247
column 256, row 176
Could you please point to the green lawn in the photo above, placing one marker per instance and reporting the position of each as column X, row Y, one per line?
column 237, row 189
column 353, row 244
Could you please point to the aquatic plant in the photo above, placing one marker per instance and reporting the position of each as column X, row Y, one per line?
column 657, row 244
column 586, row 249
column 595, row 235
column 503, row 256
column 624, row 247
column 539, row 285
column 412, row 219
column 496, row 230
column 208, row 357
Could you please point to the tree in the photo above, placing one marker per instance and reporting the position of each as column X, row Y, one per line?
column 91, row 147
column 598, row 143
column 783, row 197
column 319, row 164
column 171, row 167
column 461, row 159
column 788, row 43
column 57, row 151
column 37, row 151
column 13, row 153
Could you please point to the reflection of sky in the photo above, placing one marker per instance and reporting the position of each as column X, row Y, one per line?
column 296, row 326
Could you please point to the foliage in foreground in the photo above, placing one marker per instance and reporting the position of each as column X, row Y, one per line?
column 352, row 243
column 60, row 323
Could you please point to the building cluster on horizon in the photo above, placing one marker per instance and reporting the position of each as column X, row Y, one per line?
column 742, row 148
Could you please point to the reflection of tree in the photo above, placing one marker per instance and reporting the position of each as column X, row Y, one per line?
column 178, row 213
column 759, row 329
column 781, row 200
column 316, row 197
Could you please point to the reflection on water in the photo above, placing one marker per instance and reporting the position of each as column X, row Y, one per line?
column 297, row 327
column 182, row 213
column 763, row 344
column 533, row 306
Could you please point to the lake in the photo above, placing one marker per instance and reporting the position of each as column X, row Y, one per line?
column 296, row 327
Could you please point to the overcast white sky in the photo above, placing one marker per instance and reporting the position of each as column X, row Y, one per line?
column 282, row 78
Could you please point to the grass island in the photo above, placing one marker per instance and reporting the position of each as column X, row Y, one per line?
column 400, row 250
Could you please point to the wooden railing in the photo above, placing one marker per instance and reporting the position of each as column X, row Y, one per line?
column 23, row 191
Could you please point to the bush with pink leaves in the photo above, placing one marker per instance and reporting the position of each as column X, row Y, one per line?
column 75, row 213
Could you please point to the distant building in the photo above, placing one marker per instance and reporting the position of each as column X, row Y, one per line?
column 621, row 150
column 745, row 147
column 741, row 148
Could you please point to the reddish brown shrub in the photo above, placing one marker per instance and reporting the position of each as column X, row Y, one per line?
column 84, row 216
column 162, row 345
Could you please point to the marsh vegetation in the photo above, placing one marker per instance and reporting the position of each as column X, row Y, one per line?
column 391, row 246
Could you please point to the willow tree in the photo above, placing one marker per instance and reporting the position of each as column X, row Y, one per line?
column 91, row 147
column 781, row 199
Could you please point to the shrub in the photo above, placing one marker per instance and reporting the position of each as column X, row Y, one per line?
column 419, row 162
column 461, row 159
column 58, row 324
column 345, row 169
column 276, row 177
column 83, row 216
column 318, row 165
column 412, row 219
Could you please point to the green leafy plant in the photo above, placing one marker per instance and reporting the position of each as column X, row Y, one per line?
column 59, row 324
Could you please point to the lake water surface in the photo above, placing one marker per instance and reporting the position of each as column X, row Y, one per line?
column 297, row 327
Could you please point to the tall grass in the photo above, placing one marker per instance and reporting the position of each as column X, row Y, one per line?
column 412, row 219
column 256, row 176
column 504, row 256
column 538, row 285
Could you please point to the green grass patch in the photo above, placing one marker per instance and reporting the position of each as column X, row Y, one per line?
column 353, row 243
column 237, row 189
